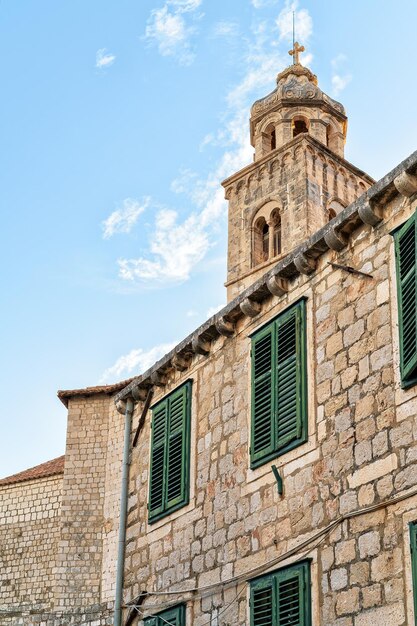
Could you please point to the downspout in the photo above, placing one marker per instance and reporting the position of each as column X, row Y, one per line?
column 123, row 510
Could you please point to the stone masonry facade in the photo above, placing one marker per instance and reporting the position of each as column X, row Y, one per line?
column 349, row 491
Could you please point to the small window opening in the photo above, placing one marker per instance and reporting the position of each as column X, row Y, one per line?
column 277, row 239
column 273, row 140
column 331, row 214
column 265, row 242
column 299, row 127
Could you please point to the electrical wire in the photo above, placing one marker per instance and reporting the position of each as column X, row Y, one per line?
column 148, row 611
column 320, row 535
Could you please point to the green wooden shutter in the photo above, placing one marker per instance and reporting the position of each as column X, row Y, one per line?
column 263, row 602
column 177, row 448
column 413, row 546
column 290, row 597
column 263, row 393
column 405, row 248
column 158, row 460
column 290, row 376
column 175, row 616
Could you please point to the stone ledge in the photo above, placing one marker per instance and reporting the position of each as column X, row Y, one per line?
column 346, row 222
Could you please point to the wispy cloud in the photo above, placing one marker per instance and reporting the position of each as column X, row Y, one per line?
column 340, row 77
column 178, row 244
column 171, row 26
column 135, row 362
column 123, row 219
column 104, row 58
column 303, row 22
column 259, row 4
column 213, row 310
column 225, row 29
column 176, row 247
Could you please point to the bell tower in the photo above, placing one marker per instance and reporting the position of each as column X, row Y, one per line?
column 299, row 179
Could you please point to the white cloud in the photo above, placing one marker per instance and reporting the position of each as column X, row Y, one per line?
column 191, row 313
column 169, row 29
column 178, row 245
column 122, row 220
column 225, row 29
column 259, row 4
column 303, row 23
column 136, row 362
column 104, row 58
column 340, row 78
column 213, row 310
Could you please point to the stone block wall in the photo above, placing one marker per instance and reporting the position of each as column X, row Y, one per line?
column 360, row 453
column 302, row 179
column 29, row 534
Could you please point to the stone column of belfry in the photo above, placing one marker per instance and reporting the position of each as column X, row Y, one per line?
column 271, row 233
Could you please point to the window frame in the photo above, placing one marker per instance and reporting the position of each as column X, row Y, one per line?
column 408, row 378
column 278, row 448
column 165, row 509
column 176, row 612
column 272, row 580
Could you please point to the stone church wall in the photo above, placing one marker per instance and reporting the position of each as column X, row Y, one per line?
column 360, row 452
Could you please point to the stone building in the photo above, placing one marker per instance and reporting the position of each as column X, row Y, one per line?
column 270, row 459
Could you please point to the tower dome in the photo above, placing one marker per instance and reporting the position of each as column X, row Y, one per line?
column 297, row 105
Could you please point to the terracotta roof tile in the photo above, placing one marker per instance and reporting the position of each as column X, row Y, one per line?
column 50, row 468
column 64, row 395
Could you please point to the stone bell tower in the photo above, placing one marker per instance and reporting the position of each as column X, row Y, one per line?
column 299, row 179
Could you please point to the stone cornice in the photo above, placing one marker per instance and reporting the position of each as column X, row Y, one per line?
column 367, row 209
column 308, row 139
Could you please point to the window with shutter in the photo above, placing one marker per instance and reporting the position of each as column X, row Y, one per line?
column 413, row 546
column 172, row 617
column 406, row 263
column 282, row 598
column 170, row 452
column 279, row 381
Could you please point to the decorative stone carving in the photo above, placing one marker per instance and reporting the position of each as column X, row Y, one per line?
column 200, row 346
column 295, row 89
column 277, row 286
column 335, row 239
column 304, row 264
column 121, row 406
column 179, row 363
column 406, row 184
column 250, row 307
column 139, row 393
column 369, row 214
column 224, row 327
column 158, row 379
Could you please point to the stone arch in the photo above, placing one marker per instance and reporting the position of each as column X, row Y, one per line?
column 300, row 124
column 334, row 206
column 266, row 231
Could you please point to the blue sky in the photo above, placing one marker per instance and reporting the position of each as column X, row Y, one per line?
column 118, row 121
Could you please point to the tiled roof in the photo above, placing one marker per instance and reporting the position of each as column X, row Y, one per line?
column 64, row 395
column 50, row 468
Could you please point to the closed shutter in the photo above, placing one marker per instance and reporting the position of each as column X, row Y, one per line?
column 290, row 376
column 405, row 247
column 177, row 448
column 290, row 597
column 263, row 393
column 262, row 603
column 282, row 598
column 158, row 460
column 174, row 617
